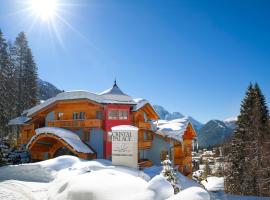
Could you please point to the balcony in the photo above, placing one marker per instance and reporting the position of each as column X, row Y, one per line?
column 145, row 125
column 76, row 123
column 144, row 163
column 145, row 144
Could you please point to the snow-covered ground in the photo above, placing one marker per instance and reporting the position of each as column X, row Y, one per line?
column 71, row 178
column 214, row 184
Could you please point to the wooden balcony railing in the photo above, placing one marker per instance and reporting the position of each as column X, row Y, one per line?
column 144, row 163
column 76, row 123
column 145, row 125
column 145, row 144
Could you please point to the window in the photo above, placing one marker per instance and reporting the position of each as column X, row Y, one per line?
column 145, row 117
column 118, row 114
column 147, row 136
column 82, row 115
column 123, row 114
column 59, row 116
column 113, row 114
column 75, row 116
column 99, row 114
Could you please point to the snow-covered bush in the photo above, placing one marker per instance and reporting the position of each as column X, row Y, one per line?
column 169, row 173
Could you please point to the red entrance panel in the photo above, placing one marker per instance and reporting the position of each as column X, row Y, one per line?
column 114, row 115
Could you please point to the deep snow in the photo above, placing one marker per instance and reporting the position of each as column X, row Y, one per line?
column 68, row 177
column 71, row 178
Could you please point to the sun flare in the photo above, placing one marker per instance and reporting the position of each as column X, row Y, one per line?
column 45, row 9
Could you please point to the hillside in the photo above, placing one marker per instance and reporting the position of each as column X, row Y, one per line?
column 215, row 132
column 46, row 90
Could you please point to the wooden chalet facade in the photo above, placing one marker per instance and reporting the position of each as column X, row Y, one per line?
column 80, row 122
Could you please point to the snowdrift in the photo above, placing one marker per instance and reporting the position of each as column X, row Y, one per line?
column 71, row 178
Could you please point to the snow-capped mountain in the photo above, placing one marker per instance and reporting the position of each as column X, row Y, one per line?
column 215, row 132
column 231, row 122
column 46, row 90
column 166, row 115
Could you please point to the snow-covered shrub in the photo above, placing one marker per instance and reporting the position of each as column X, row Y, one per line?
column 169, row 173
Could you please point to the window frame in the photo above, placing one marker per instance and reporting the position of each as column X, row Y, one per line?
column 75, row 114
column 117, row 114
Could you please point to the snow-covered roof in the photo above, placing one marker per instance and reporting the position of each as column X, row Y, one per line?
column 113, row 96
column 173, row 128
column 139, row 103
column 68, row 136
column 124, row 128
column 19, row 120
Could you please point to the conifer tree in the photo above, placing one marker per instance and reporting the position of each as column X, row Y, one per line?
column 5, row 70
column 169, row 173
column 262, row 129
column 206, row 170
column 236, row 157
column 249, row 158
column 26, row 74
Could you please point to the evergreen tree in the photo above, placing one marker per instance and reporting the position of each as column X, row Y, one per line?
column 26, row 74
column 262, row 128
column 236, row 157
column 169, row 173
column 247, row 156
column 5, row 73
column 206, row 170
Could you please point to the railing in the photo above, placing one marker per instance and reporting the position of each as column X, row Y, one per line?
column 145, row 144
column 144, row 163
column 145, row 125
column 76, row 123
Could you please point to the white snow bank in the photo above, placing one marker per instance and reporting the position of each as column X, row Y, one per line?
column 183, row 181
column 26, row 172
column 71, row 178
column 68, row 136
column 214, row 183
column 192, row 193
column 162, row 188
column 106, row 184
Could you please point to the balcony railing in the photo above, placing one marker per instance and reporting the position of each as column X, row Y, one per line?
column 145, row 144
column 145, row 125
column 144, row 163
column 76, row 123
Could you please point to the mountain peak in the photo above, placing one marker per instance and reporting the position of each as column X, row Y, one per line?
column 166, row 115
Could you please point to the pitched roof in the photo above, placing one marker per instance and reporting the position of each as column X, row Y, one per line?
column 173, row 128
column 19, row 120
column 111, row 96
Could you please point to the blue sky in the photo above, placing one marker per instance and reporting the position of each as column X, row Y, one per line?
column 196, row 57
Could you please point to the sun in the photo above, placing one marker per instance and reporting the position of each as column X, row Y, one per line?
column 45, row 9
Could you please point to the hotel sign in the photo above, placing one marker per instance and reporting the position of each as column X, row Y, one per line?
column 125, row 145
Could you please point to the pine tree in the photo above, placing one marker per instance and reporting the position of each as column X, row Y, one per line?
column 169, row 173
column 262, row 129
column 26, row 74
column 5, row 70
column 249, row 158
column 206, row 170
column 236, row 157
